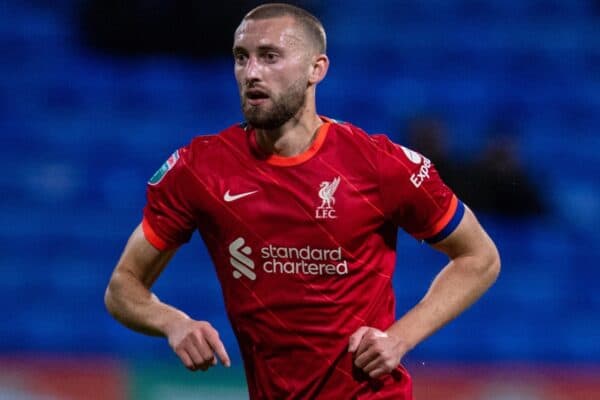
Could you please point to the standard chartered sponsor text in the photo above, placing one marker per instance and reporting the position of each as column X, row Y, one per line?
column 303, row 260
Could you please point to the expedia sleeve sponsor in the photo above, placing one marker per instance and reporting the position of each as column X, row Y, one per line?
column 413, row 194
column 417, row 178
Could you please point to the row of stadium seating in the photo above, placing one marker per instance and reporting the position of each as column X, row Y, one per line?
column 82, row 132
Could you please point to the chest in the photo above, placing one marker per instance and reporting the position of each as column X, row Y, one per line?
column 297, row 205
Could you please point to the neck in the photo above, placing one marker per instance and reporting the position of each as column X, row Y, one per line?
column 293, row 137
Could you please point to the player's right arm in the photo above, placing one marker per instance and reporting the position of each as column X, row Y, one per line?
column 129, row 300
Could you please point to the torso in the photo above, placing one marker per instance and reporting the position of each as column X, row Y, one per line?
column 303, row 251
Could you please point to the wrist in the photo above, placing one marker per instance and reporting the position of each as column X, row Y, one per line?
column 402, row 344
column 173, row 321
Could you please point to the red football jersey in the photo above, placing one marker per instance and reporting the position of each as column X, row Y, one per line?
column 304, row 247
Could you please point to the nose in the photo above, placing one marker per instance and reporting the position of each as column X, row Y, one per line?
column 253, row 70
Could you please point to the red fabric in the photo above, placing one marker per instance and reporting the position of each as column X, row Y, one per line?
column 305, row 252
column 152, row 237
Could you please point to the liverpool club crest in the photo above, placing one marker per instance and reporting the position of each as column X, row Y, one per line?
column 326, row 192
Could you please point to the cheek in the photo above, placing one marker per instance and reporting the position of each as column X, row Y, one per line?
column 238, row 77
column 289, row 77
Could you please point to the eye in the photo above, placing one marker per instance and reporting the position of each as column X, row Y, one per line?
column 240, row 58
column 271, row 57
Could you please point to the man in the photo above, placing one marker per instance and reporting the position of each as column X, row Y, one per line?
column 300, row 215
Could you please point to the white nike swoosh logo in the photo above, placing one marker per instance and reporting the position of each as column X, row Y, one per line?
column 229, row 197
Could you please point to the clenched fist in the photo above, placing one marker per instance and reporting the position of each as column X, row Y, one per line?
column 197, row 344
column 376, row 352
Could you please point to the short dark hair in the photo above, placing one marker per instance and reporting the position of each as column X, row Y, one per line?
column 311, row 24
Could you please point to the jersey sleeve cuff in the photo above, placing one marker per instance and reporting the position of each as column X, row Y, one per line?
column 446, row 224
column 450, row 225
column 153, row 238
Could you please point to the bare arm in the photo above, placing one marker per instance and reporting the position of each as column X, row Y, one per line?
column 128, row 297
column 474, row 266
column 129, row 300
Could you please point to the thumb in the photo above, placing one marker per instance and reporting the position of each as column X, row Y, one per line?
column 356, row 337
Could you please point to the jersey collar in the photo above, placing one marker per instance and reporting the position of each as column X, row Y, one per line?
column 306, row 155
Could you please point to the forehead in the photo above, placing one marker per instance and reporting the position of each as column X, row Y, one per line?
column 279, row 31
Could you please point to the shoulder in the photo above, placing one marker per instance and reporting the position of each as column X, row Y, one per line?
column 390, row 159
column 386, row 148
column 347, row 133
column 203, row 152
column 379, row 143
column 212, row 141
column 213, row 145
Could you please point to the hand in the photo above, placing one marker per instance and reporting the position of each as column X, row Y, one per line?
column 196, row 343
column 376, row 352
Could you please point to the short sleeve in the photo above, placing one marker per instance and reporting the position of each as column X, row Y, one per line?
column 169, row 219
column 413, row 194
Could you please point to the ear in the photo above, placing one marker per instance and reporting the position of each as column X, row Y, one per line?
column 318, row 69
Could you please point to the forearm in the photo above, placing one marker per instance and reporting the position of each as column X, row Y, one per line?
column 456, row 287
column 136, row 307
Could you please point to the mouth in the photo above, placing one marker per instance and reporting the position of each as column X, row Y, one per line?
column 256, row 96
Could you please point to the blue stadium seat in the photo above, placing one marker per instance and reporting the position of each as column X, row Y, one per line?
column 81, row 133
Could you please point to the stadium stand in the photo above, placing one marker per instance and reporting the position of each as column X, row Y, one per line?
column 82, row 132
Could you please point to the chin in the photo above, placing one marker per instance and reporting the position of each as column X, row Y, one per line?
column 259, row 121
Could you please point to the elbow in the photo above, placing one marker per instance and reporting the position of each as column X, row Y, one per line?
column 108, row 300
column 492, row 265
column 110, row 297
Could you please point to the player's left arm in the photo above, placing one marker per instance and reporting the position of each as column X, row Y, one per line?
column 473, row 267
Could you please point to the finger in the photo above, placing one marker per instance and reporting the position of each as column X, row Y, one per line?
column 185, row 359
column 365, row 344
column 371, row 337
column 203, row 347
column 194, row 349
column 373, row 365
column 217, row 346
column 363, row 359
column 356, row 338
column 198, row 350
column 377, row 373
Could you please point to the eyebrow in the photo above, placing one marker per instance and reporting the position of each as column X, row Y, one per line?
column 269, row 47
column 261, row 48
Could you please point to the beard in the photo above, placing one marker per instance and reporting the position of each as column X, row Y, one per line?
column 282, row 108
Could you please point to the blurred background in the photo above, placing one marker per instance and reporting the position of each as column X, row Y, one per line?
column 503, row 95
